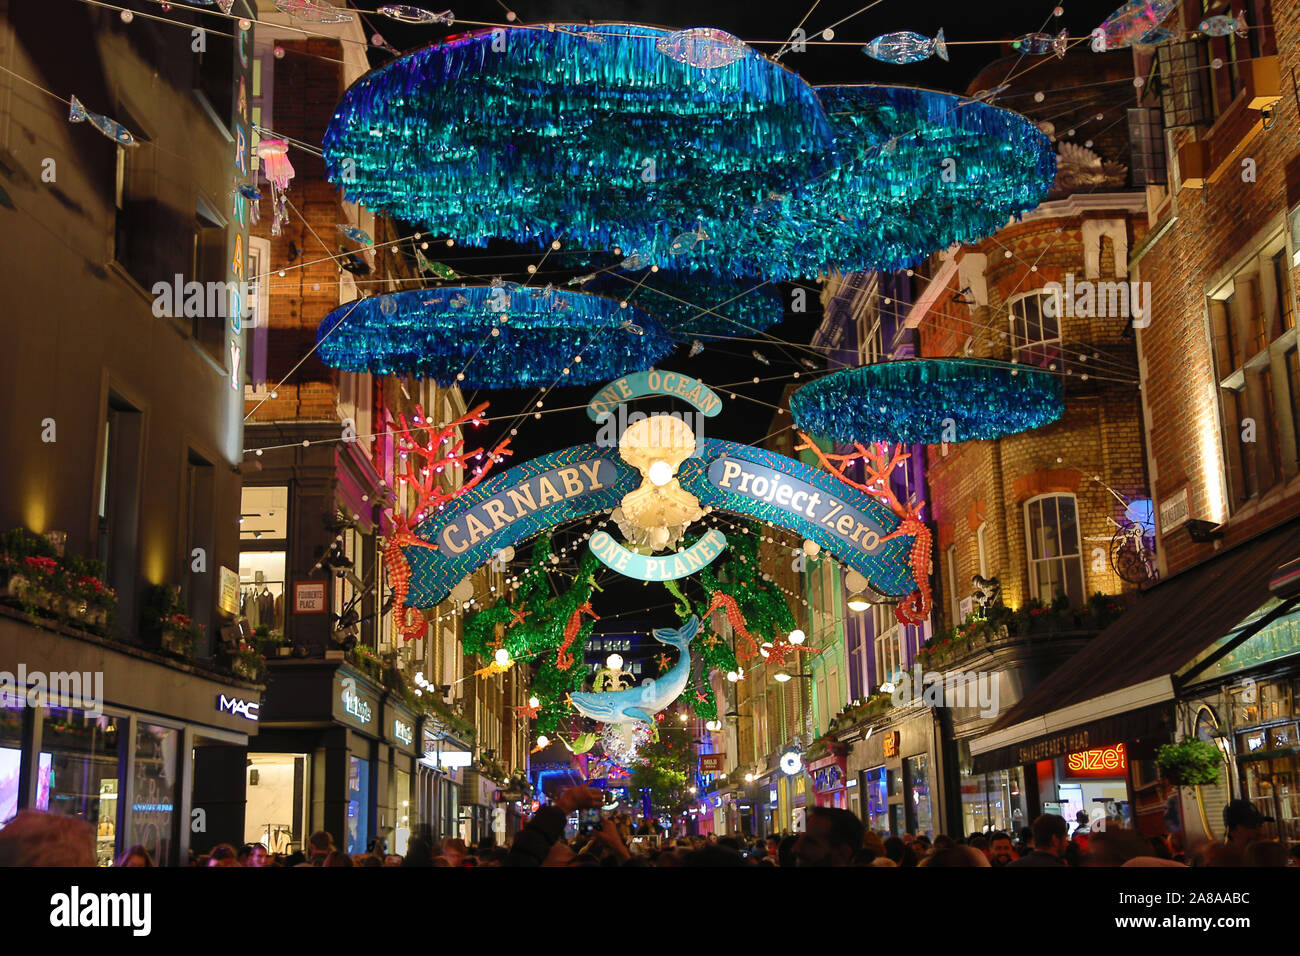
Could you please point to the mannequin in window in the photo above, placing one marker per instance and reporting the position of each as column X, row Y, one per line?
column 265, row 602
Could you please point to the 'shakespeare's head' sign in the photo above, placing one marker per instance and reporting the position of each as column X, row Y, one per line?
column 653, row 382
column 581, row 481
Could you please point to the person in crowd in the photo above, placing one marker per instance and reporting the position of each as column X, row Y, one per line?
column 895, row 850
column 337, row 858
column 773, row 844
column 252, row 854
column 979, row 842
column 223, row 854
column 1080, row 823
column 319, row 845
column 418, row 852
column 453, row 848
column 1025, row 843
column 1115, row 846
column 955, row 856
column 1002, row 851
column 1160, row 847
column 37, row 838
column 833, row 837
column 134, row 856
column 1050, row 840
column 872, row 844
column 1244, row 823
column 536, row 844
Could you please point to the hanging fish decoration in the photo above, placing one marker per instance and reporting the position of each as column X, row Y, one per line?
column 109, row 127
column 635, row 261
column 809, row 363
column 542, row 293
column 769, row 206
column 408, row 14
column 253, row 200
column 1221, row 26
column 1130, row 23
column 459, row 302
column 581, row 280
column 760, row 357
column 1036, row 44
column 1156, row 36
column 696, row 348
column 703, row 48
column 225, row 6
column 906, row 47
column 632, row 327
column 356, row 234
column 687, row 241
column 985, row 96
column 561, row 304
column 388, row 305
column 313, row 11
column 439, row 270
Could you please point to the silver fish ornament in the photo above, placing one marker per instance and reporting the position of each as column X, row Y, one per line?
column 696, row 348
column 109, row 127
column 632, row 327
column 687, row 241
column 541, row 293
column 1036, row 44
column 1221, row 26
column 581, row 280
column 906, row 47
column 408, row 14
column 703, row 48
column 635, row 261
column 356, row 234
column 313, row 11
column 760, row 357
column 459, row 302
column 1130, row 24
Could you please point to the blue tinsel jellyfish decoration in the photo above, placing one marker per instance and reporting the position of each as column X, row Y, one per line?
column 506, row 336
column 587, row 134
column 692, row 304
column 919, row 170
column 928, row 401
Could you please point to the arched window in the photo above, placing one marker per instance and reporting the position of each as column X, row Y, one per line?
column 1052, row 542
column 1035, row 327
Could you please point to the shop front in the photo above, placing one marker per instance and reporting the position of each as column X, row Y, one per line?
column 401, row 807
column 896, row 775
column 830, row 779
column 439, row 774
column 325, row 760
column 147, row 752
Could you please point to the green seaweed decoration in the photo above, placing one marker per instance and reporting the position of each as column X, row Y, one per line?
column 534, row 625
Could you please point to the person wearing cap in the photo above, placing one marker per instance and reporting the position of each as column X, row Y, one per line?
column 1244, row 823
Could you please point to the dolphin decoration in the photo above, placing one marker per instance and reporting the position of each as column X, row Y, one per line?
column 653, row 695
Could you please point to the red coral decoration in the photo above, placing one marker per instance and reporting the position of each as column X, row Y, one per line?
column 425, row 461
column 915, row 609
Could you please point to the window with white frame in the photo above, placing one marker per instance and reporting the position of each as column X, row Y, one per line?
column 889, row 649
column 1052, row 540
column 1035, row 327
column 1252, row 322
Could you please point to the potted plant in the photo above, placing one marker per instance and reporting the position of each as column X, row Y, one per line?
column 248, row 663
column 166, row 623
column 1190, row 763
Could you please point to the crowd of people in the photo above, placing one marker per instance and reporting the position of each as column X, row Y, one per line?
column 833, row 837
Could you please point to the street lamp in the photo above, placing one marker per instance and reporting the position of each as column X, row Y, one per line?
column 858, row 602
column 797, row 636
column 781, row 676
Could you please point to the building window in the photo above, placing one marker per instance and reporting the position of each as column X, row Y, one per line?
column 199, row 581
column 1035, row 328
column 119, row 502
column 1052, row 538
column 1252, row 321
column 954, row 602
column 889, row 651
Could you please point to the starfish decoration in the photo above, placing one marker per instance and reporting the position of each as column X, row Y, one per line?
column 780, row 650
column 700, row 696
column 494, row 668
column 527, row 713
column 712, row 639
column 568, row 700
column 664, row 662
column 517, row 616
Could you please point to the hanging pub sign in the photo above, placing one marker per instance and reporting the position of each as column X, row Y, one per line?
column 713, row 763
column 512, row 506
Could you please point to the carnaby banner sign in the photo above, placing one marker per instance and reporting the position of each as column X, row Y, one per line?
column 513, row 506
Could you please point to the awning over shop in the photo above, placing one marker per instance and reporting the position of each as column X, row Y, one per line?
column 1130, row 666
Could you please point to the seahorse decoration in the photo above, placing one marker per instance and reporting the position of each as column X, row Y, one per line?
column 563, row 659
column 410, row 623
column 915, row 608
column 737, row 622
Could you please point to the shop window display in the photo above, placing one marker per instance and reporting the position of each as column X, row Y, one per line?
column 79, row 769
column 920, row 816
column 261, row 589
column 11, row 743
column 153, row 798
column 877, row 798
column 1270, row 763
column 277, row 786
column 358, row 803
